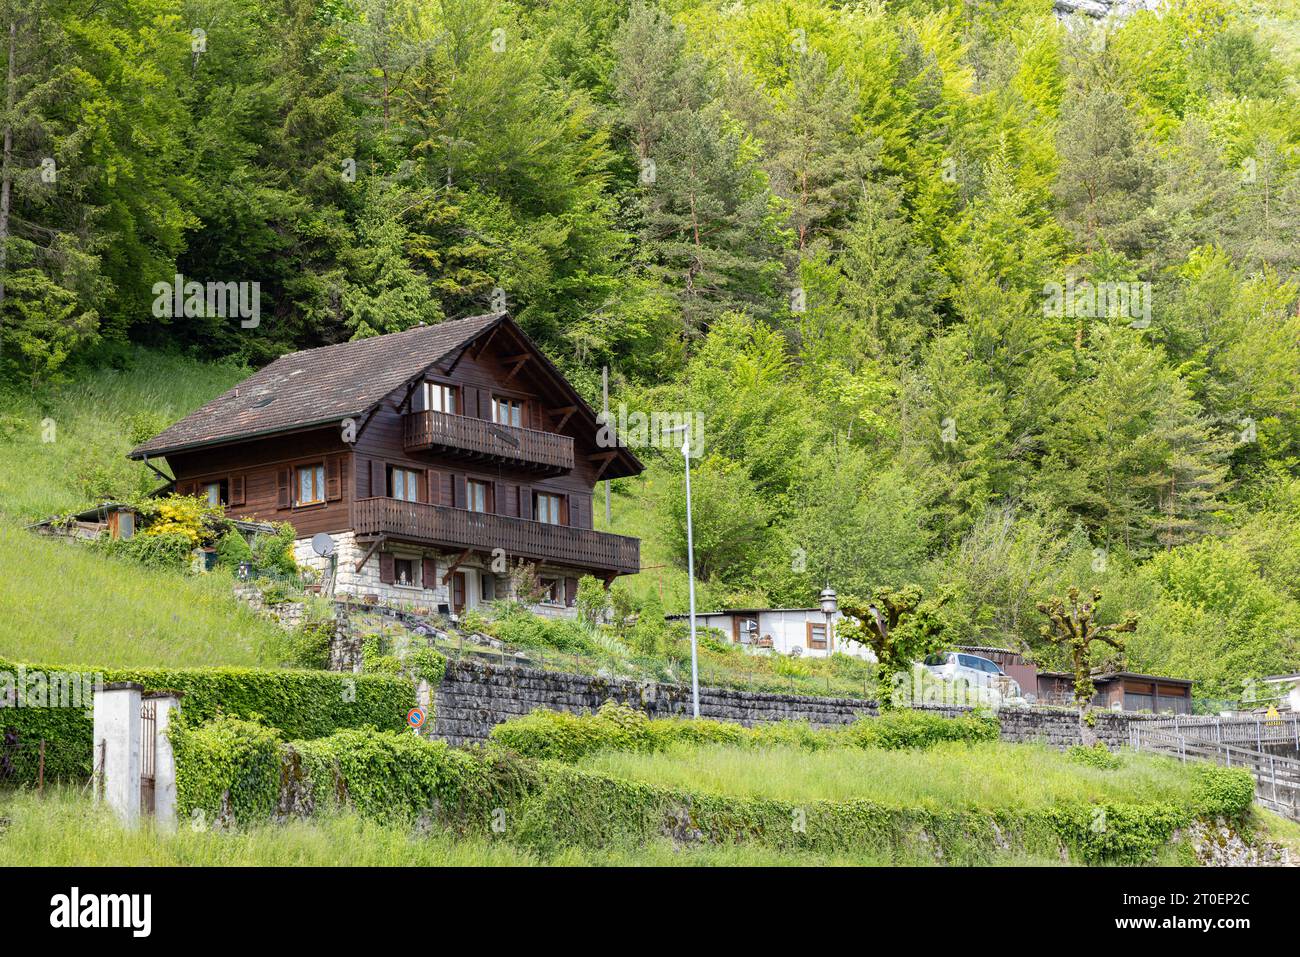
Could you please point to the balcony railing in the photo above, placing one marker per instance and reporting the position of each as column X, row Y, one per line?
column 518, row 537
column 469, row 437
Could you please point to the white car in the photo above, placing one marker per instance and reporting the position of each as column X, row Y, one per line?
column 973, row 671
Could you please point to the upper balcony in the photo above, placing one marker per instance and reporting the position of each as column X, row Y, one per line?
column 483, row 531
column 467, row 437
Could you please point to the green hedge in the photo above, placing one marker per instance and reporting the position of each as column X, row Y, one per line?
column 561, row 736
column 301, row 704
column 226, row 770
column 241, row 770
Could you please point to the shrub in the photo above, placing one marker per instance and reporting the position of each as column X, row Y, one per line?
column 1223, row 792
column 532, row 631
column 903, row 728
column 233, row 549
column 1094, row 756
column 226, row 768
column 308, row 646
column 593, row 600
column 165, row 552
column 186, row 515
column 275, row 552
column 561, row 736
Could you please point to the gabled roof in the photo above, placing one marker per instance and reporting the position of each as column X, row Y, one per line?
column 316, row 387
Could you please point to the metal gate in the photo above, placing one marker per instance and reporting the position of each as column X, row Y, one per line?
column 148, row 746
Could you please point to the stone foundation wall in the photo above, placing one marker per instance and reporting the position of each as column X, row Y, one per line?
column 474, row 697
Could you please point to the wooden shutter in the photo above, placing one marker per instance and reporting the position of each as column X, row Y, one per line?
column 186, row 488
column 509, row 500
column 333, row 478
column 284, row 488
column 566, row 515
column 459, row 497
column 433, row 484
column 429, row 572
column 237, row 496
column 386, row 573
column 495, row 506
column 526, row 502
column 570, row 591
column 378, row 479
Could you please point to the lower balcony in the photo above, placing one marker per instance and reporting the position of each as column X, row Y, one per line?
column 448, row 527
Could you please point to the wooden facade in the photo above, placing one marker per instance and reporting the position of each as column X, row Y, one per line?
column 458, row 481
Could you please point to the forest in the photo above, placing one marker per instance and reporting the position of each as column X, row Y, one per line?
column 966, row 294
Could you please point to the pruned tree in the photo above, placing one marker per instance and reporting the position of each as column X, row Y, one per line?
column 1074, row 629
column 900, row 627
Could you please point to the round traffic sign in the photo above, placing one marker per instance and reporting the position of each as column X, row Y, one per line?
column 415, row 717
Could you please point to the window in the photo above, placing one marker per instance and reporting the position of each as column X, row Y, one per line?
column 747, row 630
column 507, row 411
column 550, row 591
column 546, row 508
column 404, row 484
column 816, row 636
column 404, row 571
column 477, row 495
column 488, row 588
column 217, row 493
column 440, row 398
column 311, row 484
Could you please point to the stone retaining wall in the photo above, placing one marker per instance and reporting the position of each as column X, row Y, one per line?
column 474, row 697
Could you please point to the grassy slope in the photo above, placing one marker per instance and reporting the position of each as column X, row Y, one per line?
column 64, row 829
column 62, row 605
column 984, row 775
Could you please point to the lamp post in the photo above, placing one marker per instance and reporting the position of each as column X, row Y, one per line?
column 690, row 569
column 830, row 603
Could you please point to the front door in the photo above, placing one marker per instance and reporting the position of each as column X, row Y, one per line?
column 457, row 593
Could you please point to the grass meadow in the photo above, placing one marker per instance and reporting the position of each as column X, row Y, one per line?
column 945, row 776
column 64, row 829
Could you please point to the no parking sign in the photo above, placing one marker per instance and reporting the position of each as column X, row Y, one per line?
column 415, row 718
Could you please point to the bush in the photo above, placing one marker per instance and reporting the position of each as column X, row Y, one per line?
column 527, row 630
column 165, row 552
column 275, row 552
column 308, row 646
column 226, row 769
column 1094, row 756
column 593, row 600
column 233, row 549
column 561, row 736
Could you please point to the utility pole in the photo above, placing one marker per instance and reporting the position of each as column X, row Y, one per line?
column 604, row 388
column 690, row 570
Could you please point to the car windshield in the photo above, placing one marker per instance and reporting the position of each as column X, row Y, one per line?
column 936, row 659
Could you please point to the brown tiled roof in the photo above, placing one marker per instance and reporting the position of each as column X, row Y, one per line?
column 316, row 386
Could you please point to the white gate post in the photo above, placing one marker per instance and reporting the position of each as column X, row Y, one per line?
column 164, row 767
column 116, row 758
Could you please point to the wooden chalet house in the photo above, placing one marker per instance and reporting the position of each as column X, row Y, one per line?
column 424, row 454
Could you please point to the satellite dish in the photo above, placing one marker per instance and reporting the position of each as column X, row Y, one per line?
column 322, row 545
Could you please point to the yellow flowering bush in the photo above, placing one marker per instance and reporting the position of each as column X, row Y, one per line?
column 186, row 515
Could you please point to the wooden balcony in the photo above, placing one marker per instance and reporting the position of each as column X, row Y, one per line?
column 467, row 437
column 520, row 538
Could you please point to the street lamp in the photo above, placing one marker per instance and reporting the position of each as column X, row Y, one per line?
column 830, row 604
column 690, row 568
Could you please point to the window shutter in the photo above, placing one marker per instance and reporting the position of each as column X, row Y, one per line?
column 237, row 490
column 433, row 486
column 566, row 515
column 333, row 478
column 526, row 502
column 458, row 495
column 284, row 493
column 494, row 506
column 510, row 500
column 378, row 479
column 386, row 573
column 419, row 398
column 186, row 487
column 570, row 592
column 429, row 572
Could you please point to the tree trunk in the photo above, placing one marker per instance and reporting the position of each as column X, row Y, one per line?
column 1087, row 734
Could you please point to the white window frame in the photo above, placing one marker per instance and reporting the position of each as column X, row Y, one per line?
column 552, row 498
column 440, row 397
